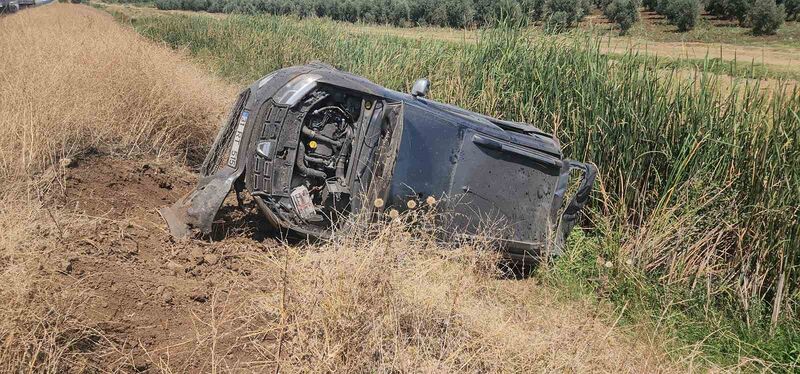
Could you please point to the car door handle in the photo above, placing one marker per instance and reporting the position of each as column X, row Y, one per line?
column 532, row 154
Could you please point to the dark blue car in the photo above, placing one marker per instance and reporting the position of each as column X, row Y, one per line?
column 313, row 145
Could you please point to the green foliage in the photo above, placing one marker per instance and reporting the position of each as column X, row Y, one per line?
column 562, row 14
column 766, row 17
column 792, row 8
column 689, row 315
column 738, row 10
column 601, row 4
column 556, row 22
column 682, row 13
column 494, row 11
column 624, row 13
column 662, row 6
column 454, row 13
column 730, row 9
column 532, row 9
column 167, row 4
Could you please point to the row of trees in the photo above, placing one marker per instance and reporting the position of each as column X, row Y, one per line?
column 555, row 15
column 763, row 16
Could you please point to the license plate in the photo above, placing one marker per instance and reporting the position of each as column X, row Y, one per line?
column 237, row 139
column 302, row 203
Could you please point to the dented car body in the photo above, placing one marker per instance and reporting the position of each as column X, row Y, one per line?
column 312, row 144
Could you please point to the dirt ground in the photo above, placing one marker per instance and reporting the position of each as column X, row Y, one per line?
column 150, row 296
column 781, row 59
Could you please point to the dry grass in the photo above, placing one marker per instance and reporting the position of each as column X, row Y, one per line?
column 376, row 298
column 75, row 80
column 385, row 298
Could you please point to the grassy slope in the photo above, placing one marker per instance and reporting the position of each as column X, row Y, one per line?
column 696, row 214
column 382, row 300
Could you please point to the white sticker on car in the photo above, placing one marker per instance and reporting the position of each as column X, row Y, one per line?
column 237, row 139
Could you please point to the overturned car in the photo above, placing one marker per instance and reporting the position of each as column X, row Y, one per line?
column 312, row 145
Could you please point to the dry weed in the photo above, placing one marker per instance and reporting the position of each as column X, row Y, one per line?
column 74, row 80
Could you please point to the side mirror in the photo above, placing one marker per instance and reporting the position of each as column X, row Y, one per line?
column 421, row 87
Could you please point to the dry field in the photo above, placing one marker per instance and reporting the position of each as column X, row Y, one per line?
column 100, row 128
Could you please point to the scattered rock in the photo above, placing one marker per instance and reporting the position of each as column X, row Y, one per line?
column 140, row 364
column 167, row 297
column 199, row 295
column 165, row 185
column 197, row 255
column 177, row 269
column 68, row 162
column 211, row 259
column 66, row 266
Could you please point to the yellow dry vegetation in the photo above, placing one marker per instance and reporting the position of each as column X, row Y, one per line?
column 77, row 81
column 376, row 298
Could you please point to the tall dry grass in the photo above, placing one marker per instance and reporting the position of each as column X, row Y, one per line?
column 389, row 297
column 74, row 81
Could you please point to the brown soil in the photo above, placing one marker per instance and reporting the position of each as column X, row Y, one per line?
column 149, row 294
